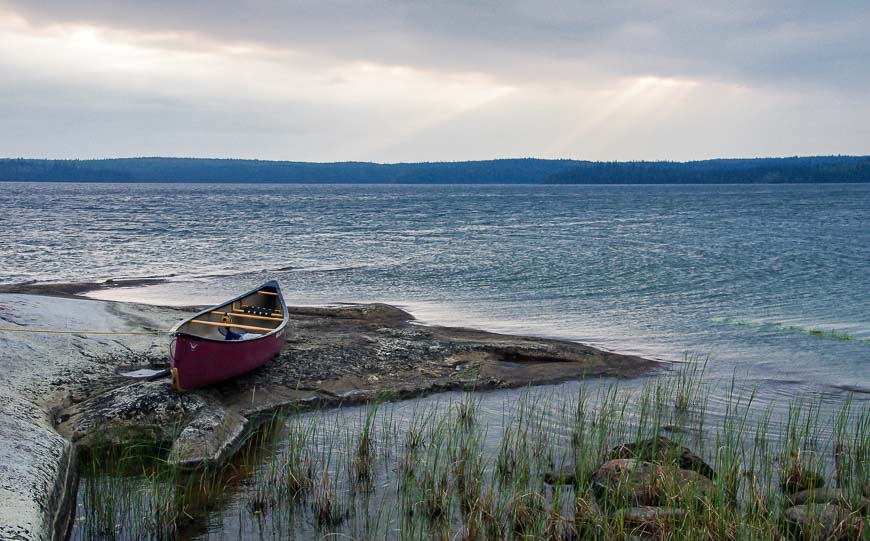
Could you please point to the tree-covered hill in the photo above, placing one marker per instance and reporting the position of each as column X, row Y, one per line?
column 509, row 171
column 759, row 170
column 214, row 170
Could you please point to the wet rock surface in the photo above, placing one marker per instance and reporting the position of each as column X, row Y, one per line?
column 563, row 477
column 209, row 438
column 824, row 521
column 626, row 482
column 662, row 450
column 66, row 388
column 149, row 411
column 71, row 290
column 800, row 480
column 651, row 522
column 377, row 348
column 852, row 502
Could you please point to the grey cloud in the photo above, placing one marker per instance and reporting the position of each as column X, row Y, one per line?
column 77, row 123
column 765, row 43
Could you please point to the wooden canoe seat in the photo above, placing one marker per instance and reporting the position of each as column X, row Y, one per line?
column 233, row 325
column 236, row 313
column 267, row 293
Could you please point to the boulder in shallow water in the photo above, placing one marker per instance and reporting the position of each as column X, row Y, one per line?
column 828, row 521
column 625, row 483
column 852, row 502
column 651, row 521
column 799, row 480
column 662, row 450
column 212, row 435
column 634, row 483
column 566, row 476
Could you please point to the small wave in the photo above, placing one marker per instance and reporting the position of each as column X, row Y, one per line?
column 853, row 389
column 330, row 268
column 829, row 334
column 286, row 268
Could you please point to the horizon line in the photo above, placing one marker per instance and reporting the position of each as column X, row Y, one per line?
column 582, row 160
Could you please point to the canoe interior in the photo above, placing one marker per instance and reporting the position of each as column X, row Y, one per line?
column 254, row 315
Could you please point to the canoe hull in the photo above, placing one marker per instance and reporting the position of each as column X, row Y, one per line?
column 197, row 362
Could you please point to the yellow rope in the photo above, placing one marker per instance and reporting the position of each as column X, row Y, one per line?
column 54, row 331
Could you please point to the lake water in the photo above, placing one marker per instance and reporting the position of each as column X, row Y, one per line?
column 772, row 281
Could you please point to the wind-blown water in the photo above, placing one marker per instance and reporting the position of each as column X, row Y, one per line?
column 772, row 280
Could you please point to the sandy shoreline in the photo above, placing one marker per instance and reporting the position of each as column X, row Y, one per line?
column 61, row 388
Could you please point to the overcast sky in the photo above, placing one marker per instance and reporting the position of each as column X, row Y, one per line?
column 433, row 80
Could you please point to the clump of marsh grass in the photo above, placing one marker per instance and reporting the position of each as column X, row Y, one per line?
column 413, row 444
column 466, row 411
column 298, row 463
column 436, row 494
column 730, row 438
column 800, row 462
column 483, row 520
column 690, row 376
column 588, row 521
column 328, row 511
column 852, row 450
column 527, row 514
column 509, row 456
column 363, row 458
column 104, row 493
column 263, row 444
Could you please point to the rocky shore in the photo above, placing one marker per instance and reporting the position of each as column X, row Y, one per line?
column 62, row 390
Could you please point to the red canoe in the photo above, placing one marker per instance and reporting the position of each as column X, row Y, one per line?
column 229, row 339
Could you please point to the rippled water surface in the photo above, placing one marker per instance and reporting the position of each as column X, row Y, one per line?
column 771, row 280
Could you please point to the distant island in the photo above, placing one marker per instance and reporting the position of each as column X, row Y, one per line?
column 826, row 169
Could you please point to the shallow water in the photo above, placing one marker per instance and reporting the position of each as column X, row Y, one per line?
column 253, row 504
column 142, row 373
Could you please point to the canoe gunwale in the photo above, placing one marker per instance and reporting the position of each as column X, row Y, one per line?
column 175, row 333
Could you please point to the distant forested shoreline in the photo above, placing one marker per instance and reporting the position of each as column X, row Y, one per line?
column 826, row 169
